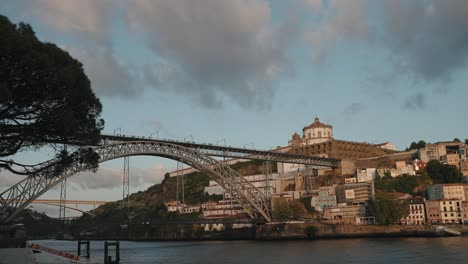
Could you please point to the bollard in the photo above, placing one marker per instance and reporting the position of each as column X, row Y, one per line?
column 107, row 258
column 86, row 243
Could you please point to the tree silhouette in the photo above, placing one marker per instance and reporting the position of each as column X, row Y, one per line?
column 45, row 99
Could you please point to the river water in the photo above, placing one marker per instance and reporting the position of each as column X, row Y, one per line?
column 365, row 250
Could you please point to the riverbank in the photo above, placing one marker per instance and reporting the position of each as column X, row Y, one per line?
column 284, row 231
column 271, row 231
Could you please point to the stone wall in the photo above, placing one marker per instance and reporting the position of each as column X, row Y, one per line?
column 319, row 230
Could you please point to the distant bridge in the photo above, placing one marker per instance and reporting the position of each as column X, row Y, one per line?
column 198, row 156
column 71, row 202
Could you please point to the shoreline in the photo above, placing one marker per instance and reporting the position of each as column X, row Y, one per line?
column 286, row 231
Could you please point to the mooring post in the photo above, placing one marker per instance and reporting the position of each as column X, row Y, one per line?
column 107, row 258
column 86, row 243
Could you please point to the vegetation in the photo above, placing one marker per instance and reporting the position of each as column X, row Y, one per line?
column 307, row 205
column 456, row 140
column 404, row 183
column 284, row 210
column 414, row 145
column 443, row 173
column 45, row 99
column 387, row 210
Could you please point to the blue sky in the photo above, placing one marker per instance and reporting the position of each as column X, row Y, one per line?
column 257, row 71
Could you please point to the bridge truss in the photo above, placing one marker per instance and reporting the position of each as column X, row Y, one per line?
column 256, row 204
column 235, row 152
column 198, row 156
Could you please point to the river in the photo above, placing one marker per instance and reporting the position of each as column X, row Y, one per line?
column 363, row 250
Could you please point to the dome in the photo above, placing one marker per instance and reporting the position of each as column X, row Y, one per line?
column 317, row 124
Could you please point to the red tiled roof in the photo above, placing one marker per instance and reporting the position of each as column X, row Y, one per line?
column 317, row 124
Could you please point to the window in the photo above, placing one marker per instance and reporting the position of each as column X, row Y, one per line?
column 319, row 134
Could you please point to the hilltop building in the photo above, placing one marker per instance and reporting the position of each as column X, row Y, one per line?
column 451, row 153
column 317, row 140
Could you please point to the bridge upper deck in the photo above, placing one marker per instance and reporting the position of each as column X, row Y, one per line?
column 234, row 152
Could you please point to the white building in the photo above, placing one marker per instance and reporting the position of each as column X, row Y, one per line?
column 260, row 181
column 223, row 208
column 316, row 132
column 451, row 211
column 417, row 212
column 386, row 145
column 175, row 206
column 364, row 175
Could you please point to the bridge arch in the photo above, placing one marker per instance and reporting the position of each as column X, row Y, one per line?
column 256, row 204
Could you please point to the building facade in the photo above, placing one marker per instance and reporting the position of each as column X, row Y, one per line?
column 355, row 193
column 348, row 214
column 323, row 200
column 448, row 191
column 317, row 140
column 433, row 214
column 417, row 212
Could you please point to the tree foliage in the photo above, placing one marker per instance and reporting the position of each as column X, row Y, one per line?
column 387, row 210
column 284, row 210
column 456, row 140
column 443, row 173
column 418, row 145
column 45, row 97
column 404, row 183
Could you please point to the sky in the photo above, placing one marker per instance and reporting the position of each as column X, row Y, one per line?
column 253, row 72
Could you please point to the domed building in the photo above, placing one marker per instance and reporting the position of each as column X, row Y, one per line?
column 317, row 132
column 317, row 140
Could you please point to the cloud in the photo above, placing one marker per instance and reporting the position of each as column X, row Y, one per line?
column 213, row 49
column 340, row 20
column 353, row 109
column 108, row 76
column 208, row 50
column 89, row 18
column 84, row 28
column 417, row 101
column 8, row 179
column 428, row 39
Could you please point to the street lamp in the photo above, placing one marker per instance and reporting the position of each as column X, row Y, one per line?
column 119, row 129
column 251, row 143
column 189, row 136
column 157, row 134
column 221, row 140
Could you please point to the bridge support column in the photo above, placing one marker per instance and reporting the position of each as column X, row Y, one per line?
column 126, row 183
column 63, row 200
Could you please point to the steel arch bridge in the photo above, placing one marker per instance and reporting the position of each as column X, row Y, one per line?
column 256, row 203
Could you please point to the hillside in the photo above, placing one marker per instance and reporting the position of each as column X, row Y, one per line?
column 149, row 204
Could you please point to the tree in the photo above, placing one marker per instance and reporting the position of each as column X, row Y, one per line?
column 456, row 140
column 442, row 173
column 387, row 210
column 284, row 210
column 414, row 145
column 45, row 99
column 466, row 140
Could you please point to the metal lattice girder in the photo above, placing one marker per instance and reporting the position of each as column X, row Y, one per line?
column 240, row 153
column 256, row 204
